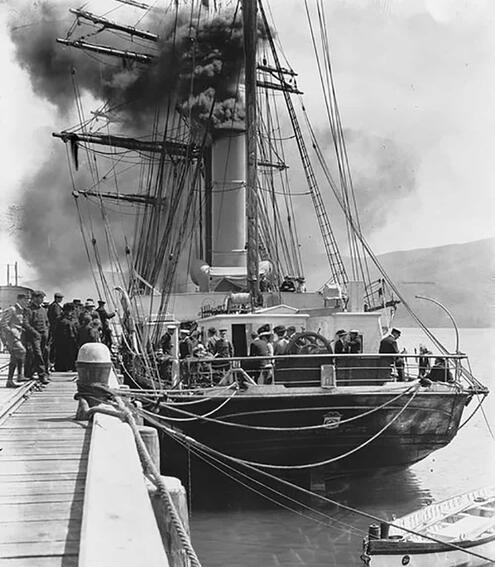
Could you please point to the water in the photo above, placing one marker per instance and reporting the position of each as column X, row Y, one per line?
column 243, row 530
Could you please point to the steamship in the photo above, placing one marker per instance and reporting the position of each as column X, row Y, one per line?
column 210, row 234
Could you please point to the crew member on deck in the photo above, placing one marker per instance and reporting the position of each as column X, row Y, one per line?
column 167, row 341
column 388, row 345
column 259, row 347
column 105, row 316
column 291, row 331
column 212, row 339
column 423, row 361
column 440, row 371
column 185, row 345
column 281, row 342
column 223, row 347
column 340, row 345
column 355, row 345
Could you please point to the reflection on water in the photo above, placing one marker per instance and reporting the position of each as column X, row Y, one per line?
column 233, row 527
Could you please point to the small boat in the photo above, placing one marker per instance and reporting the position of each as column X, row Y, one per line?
column 458, row 532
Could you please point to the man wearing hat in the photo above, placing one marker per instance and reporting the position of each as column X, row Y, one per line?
column 355, row 345
column 167, row 341
column 106, row 331
column 340, row 345
column 212, row 339
column 223, row 349
column 388, row 345
column 11, row 327
column 281, row 341
column 54, row 315
column 185, row 345
column 36, row 329
column 259, row 347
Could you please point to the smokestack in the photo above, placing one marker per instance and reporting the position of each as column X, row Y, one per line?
column 228, row 198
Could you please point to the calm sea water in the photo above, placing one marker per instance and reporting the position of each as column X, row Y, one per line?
column 239, row 529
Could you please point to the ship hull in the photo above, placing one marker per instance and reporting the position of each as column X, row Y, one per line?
column 387, row 435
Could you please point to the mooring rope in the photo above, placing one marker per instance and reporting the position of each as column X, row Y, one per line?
column 269, row 428
column 306, row 465
column 153, row 474
column 208, row 450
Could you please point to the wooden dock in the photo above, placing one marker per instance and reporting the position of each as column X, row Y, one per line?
column 73, row 493
column 43, row 463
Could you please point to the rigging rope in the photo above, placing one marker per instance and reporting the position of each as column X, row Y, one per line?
column 267, row 428
column 319, row 463
column 192, row 442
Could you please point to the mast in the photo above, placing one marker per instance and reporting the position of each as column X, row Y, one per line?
column 249, row 9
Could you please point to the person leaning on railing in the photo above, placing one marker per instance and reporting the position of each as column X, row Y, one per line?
column 388, row 345
column 440, row 371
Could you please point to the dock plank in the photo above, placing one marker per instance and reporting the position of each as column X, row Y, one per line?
column 43, row 463
column 33, row 511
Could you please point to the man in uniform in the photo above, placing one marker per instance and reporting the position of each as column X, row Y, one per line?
column 340, row 345
column 212, row 339
column 167, row 341
column 36, row 329
column 354, row 344
column 11, row 327
column 259, row 347
column 106, row 331
column 185, row 345
column 54, row 315
column 388, row 345
column 281, row 341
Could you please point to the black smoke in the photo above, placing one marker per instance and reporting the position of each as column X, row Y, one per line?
column 198, row 51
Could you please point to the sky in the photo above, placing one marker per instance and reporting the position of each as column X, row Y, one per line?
column 415, row 82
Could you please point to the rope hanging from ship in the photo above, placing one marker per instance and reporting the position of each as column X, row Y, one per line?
column 199, row 449
column 208, row 454
column 156, row 422
column 267, row 428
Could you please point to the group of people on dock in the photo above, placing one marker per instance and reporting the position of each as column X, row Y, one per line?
column 41, row 337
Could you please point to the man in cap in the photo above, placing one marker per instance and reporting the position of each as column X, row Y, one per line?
column 185, row 345
column 388, row 345
column 54, row 315
column 355, row 345
column 340, row 345
column 212, row 339
column 281, row 342
column 11, row 328
column 36, row 329
column 167, row 341
column 65, row 340
column 106, row 331
column 259, row 347
column 223, row 346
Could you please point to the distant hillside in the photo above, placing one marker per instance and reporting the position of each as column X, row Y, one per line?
column 460, row 276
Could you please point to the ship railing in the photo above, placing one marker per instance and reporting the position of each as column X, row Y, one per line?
column 320, row 369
